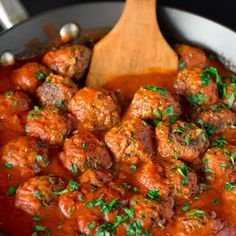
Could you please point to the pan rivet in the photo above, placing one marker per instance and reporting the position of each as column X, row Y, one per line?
column 69, row 31
column 7, row 58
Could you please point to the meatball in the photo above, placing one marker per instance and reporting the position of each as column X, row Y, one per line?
column 197, row 222
column 37, row 193
column 29, row 76
column 230, row 96
column 151, row 212
column 151, row 176
column 96, row 177
column 181, row 179
column 25, row 155
column 190, row 56
column 197, row 85
column 14, row 102
column 182, row 140
column 218, row 164
column 95, row 109
column 83, row 151
column 48, row 124
column 56, row 91
column 131, row 142
column 216, row 119
column 153, row 103
column 70, row 61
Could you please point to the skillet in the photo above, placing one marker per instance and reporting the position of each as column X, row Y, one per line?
column 177, row 26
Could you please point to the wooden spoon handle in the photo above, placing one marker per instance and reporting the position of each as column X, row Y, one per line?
column 139, row 13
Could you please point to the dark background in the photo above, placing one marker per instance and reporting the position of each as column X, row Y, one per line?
column 222, row 11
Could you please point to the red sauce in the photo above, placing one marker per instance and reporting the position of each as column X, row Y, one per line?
column 14, row 221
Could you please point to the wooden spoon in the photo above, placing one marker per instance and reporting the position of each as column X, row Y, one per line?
column 135, row 46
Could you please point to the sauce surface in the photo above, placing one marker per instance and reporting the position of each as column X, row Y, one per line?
column 14, row 221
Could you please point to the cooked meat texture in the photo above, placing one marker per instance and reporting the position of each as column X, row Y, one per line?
column 131, row 142
column 230, row 97
column 191, row 56
column 150, row 212
column 181, row 179
column 49, row 125
column 218, row 164
column 70, row 61
column 14, row 102
column 216, row 119
column 193, row 84
column 96, row 177
column 56, row 91
column 37, row 194
column 83, row 151
column 88, row 204
column 181, row 140
column 25, row 155
column 29, row 76
column 95, row 109
column 152, row 177
column 197, row 222
column 153, row 103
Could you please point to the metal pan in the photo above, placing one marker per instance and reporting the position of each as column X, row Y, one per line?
column 177, row 25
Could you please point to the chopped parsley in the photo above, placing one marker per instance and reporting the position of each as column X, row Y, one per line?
column 132, row 168
column 74, row 168
column 197, row 213
column 158, row 113
column 36, row 218
column 219, row 142
column 169, row 111
column 90, row 225
column 205, row 78
column 38, row 158
column 8, row 165
column 184, row 172
column 195, row 99
column 73, row 186
column 11, row 191
column 215, row 201
column 84, row 145
column 186, row 207
column 229, row 154
column 231, row 99
column 182, row 65
column 154, row 194
column 156, row 89
column 229, row 186
column 40, row 75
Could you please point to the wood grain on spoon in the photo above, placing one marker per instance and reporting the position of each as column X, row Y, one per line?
column 135, row 46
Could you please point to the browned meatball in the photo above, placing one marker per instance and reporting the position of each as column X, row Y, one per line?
column 197, row 86
column 70, row 61
column 96, row 177
column 29, row 76
column 153, row 103
column 151, row 212
column 218, row 164
column 190, row 56
column 14, row 102
column 83, row 151
column 56, row 91
column 181, row 140
column 131, row 142
column 181, row 179
column 216, row 119
column 197, row 222
column 151, row 176
column 37, row 193
column 230, row 96
column 25, row 155
column 95, row 109
column 48, row 124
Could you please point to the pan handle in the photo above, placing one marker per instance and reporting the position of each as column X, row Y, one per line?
column 11, row 13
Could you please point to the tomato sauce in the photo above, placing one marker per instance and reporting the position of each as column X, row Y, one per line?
column 14, row 221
